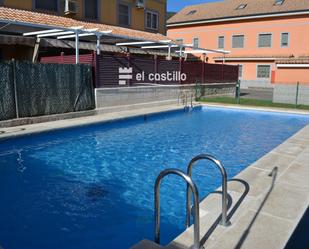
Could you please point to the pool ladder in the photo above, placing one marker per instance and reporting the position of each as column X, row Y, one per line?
column 184, row 98
column 191, row 187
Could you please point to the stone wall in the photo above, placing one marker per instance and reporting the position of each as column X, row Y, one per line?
column 111, row 97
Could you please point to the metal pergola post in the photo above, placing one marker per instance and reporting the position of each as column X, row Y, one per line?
column 169, row 51
column 76, row 47
column 98, row 44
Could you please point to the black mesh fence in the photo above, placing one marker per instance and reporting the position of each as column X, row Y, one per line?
column 7, row 100
column 45, row 89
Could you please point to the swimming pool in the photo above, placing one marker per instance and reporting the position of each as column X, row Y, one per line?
column 92, row 187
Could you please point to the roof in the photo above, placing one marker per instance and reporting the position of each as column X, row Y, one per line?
column 228, row 9
column 304, row 60
column 30, row 17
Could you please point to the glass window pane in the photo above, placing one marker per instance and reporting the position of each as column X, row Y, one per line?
column 124, row 17
column 154, row 21
column 179, row 40
column 195, row 42
column 148, row 20
column 265, row 40
column 238, row 41
column 91, row 9
column 51, row 5
column 221, row 42
column 284, row 39
column 263, row 71
column 240, row 67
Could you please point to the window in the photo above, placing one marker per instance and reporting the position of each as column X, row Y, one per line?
column 152, row 20
column 285, row 38
column 191, row 12
column 278, row 2
column 124, row 15
column 179, row 40
column 241, row 7
column 263, row 71
column 240, row 71
column 238, row 41
column 91, row 9
column 51, row 5
column 264, row 40
column 196, row 42
column 221, row 42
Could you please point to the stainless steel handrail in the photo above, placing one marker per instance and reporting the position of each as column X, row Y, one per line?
column 192, row 186
column 224, row 220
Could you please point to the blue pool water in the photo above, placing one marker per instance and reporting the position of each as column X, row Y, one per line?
column 92, row 187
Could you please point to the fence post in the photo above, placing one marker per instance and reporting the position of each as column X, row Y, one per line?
column 155, row 65
column 15, row 88
column 95, row 67
column 238, row 92
column 203, row 71
column 62, row 57
column 129, row 65
column 180, row 69
column 297, row 93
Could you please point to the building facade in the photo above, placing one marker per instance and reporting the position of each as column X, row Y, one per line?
column 129, row 20
column 266, row 38
column 142, row 15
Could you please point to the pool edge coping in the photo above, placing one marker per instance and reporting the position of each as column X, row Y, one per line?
column 44, row 127
column 257, row 108
column 213, row 242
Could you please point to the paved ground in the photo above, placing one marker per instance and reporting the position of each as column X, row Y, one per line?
column 261, row 94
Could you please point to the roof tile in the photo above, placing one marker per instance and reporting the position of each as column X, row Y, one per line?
column 228, row 8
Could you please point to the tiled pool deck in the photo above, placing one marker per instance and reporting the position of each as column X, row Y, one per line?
column 265, row 207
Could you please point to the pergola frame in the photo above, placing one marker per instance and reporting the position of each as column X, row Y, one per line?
column 77, row 32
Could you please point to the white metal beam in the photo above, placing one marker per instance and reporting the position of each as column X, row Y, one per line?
column 197, row 51
column 160, row 46
column 105, row 32
column 293, row 65
column 165, row 41
column 57, row 34
column 42, row 32
column 73, row 36
column 76, row 27
column 134, row 43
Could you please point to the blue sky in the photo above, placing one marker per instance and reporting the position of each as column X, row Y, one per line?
column 176, row 5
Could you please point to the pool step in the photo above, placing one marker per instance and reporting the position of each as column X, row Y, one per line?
column 147, row 244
